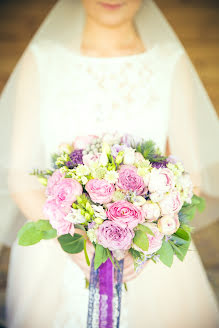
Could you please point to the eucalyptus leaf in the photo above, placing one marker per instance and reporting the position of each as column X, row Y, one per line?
column 166, row 253
column 72, row 244
column 101, row 255
column 141, row 240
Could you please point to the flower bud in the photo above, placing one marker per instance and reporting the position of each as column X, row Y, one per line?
column 43, row 181
column 64, row 147
column 87, row 216
column 98, row 220
column 89, row 208
column 106, row 148
column 119, row 158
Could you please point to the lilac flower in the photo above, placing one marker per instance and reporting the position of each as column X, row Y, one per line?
column 127, row 140
column 160, row 164
column 91, row 225
column 77, row 156
column 115, row 149
column 173, row 159
column 69, row 164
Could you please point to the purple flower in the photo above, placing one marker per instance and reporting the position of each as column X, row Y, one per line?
column 115, row 149
column 173, row 159
column 159, row 164
column 76, row 157
column 127, row 140
column 69, row 164
column 91, row 225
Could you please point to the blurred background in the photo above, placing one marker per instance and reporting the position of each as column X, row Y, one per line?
column 196, row 22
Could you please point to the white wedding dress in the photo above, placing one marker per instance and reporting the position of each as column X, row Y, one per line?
column 83, row 95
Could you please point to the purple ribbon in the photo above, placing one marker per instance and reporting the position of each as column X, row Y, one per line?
column 105, row 285
column 106, row 273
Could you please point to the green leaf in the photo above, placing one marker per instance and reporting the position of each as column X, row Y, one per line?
column 50, row 234
column 136, row 254
column 29, row 235
column 141, row 240
column 32, row 232
column 43, row 225
column 85, row 253
column 111, row 259
column 179, row 241
column 199, row 202
column 145, row 229
column 166, row 253
column 72, row 244
column 176, row 249
column 181, row 233
column 101, row 255
column 187, row 213
column 182, row 250
column 79, row 226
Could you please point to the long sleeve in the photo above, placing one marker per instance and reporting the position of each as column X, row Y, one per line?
column 21, row 147
column 194, row 134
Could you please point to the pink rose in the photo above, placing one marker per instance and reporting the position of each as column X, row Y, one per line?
column 161, row 180
column 83, row 141
column 129, row 180
column 155, row 242
column 100, row 190
column 53, row 181
column 168, row 224
column 90, row 158
column 125, row 214
column 56, row 216
column 66, row 191
column 171, row 203
column 151, row 211
column 113, row 236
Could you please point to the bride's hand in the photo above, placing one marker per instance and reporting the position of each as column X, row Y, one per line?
column 79, row 258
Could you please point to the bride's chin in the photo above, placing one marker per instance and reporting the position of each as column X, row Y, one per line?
column 111, row 13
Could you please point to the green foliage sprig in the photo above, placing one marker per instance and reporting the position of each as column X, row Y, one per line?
column 149, row 150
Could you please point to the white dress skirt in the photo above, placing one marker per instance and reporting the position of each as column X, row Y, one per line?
column 86, row 95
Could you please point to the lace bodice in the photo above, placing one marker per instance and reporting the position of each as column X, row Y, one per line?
column 83, row 95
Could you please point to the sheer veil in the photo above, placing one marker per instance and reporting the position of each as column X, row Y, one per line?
column 64, row 25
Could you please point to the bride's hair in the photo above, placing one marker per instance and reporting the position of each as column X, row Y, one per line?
column 111, row 17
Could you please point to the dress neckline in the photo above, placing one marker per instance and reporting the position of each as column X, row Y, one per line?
column 81, row 56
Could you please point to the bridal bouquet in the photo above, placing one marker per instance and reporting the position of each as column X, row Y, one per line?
column 126, row 197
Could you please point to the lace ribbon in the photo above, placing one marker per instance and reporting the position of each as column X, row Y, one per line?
column 105, row 293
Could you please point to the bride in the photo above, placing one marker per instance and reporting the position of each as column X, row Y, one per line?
column 94, row 67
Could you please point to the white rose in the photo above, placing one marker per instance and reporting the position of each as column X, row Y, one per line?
column 161, row 180
column 171, row 203
column 103, row 160
column 151, row 211
column 75, row 216
column 168, row 224
column 129, row 156
column 156, row 197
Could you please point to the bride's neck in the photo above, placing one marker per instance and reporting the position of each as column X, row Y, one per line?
column 103, row 40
